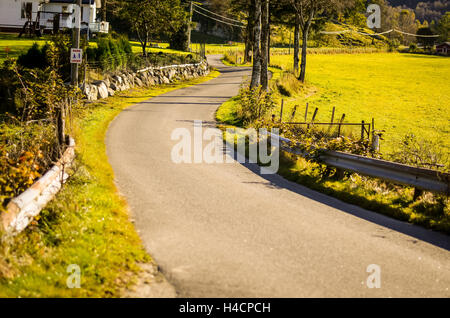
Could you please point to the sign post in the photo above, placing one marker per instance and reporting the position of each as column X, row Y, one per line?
column 76, row 42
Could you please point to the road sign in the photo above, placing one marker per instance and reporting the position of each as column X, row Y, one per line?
column 76, row 56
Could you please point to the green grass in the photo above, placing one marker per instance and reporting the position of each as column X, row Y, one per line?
column 87, row 224
column 15, row 45
column 403, row 92
column 430, row 211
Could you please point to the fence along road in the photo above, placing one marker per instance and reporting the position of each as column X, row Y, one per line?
column 223, row 230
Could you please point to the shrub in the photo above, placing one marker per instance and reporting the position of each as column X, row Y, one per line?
column 422, row 153
column 26, row 151
column 34, row 58
column 37, row 57
column 17, row 175
column 31, row 138
column 288, row 84
column 393, row 45
column 179, row 40
column 412, row 47
column 254, row 104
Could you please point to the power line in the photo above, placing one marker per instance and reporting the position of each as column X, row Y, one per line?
column 421, row 36
column 228, row 23
column 221, row 16
column 382, row 33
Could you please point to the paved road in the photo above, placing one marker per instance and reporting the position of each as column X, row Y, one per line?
column 222, row 230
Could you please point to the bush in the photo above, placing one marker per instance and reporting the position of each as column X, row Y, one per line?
column 17, row 175
column 254, row 104
column 31, row 137
column 393, row 45
column 412, row 47
column 26, row 152
column 179, row 40
column 288, row 84
column 421, row 153
column 111, row 54
column 35, row 57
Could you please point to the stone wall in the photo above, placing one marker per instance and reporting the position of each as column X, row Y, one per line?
column 146, row 77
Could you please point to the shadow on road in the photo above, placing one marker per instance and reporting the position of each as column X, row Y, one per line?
column 278, row 182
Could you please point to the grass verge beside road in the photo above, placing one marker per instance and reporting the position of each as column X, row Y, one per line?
column 430, row 211
column 87, row 224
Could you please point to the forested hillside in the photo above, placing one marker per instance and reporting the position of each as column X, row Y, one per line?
column 424, row 10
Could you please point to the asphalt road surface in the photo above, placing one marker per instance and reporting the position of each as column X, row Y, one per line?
column 224, row 230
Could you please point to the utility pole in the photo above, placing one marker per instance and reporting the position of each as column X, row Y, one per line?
column 88, row 39
column 76, row 40
column 191, row 13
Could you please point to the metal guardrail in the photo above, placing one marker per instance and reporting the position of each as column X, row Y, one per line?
column 421, row 178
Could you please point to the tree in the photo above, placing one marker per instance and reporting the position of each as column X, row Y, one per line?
column 256, row 72
column 425, row 39
column 306, row 11
column 245, row 8
column 443, row 27
column 407, row 23
column 265, row 45
column 104, row 9
column 153, row 18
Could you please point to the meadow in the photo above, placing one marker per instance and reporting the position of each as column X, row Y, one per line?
column 404, row 93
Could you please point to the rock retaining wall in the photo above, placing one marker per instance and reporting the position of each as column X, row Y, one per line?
column 146, row 77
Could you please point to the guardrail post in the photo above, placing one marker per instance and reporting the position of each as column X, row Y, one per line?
column 417, row 193
column 339, row 174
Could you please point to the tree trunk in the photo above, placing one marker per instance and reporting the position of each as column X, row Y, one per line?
column 265, row 45
column 105, row 4
column 249, row 39
column 256, row 73
column 269, row 39
column 296, row 43
column 305, row 30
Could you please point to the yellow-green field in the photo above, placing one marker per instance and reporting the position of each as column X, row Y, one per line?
column 403, row 92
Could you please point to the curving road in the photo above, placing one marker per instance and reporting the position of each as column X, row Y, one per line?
column 223, row 230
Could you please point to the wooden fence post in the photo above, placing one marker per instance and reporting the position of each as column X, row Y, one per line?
column 373, row 130
column 362, row 129
column 332, row 120
column 281, row 111
column 306, row 112
column 315, row 114
column 61, row 126
column 340, row 123
column 293, row 113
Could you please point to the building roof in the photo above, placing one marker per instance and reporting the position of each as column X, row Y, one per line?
column 97, row 2
column 443, row 44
